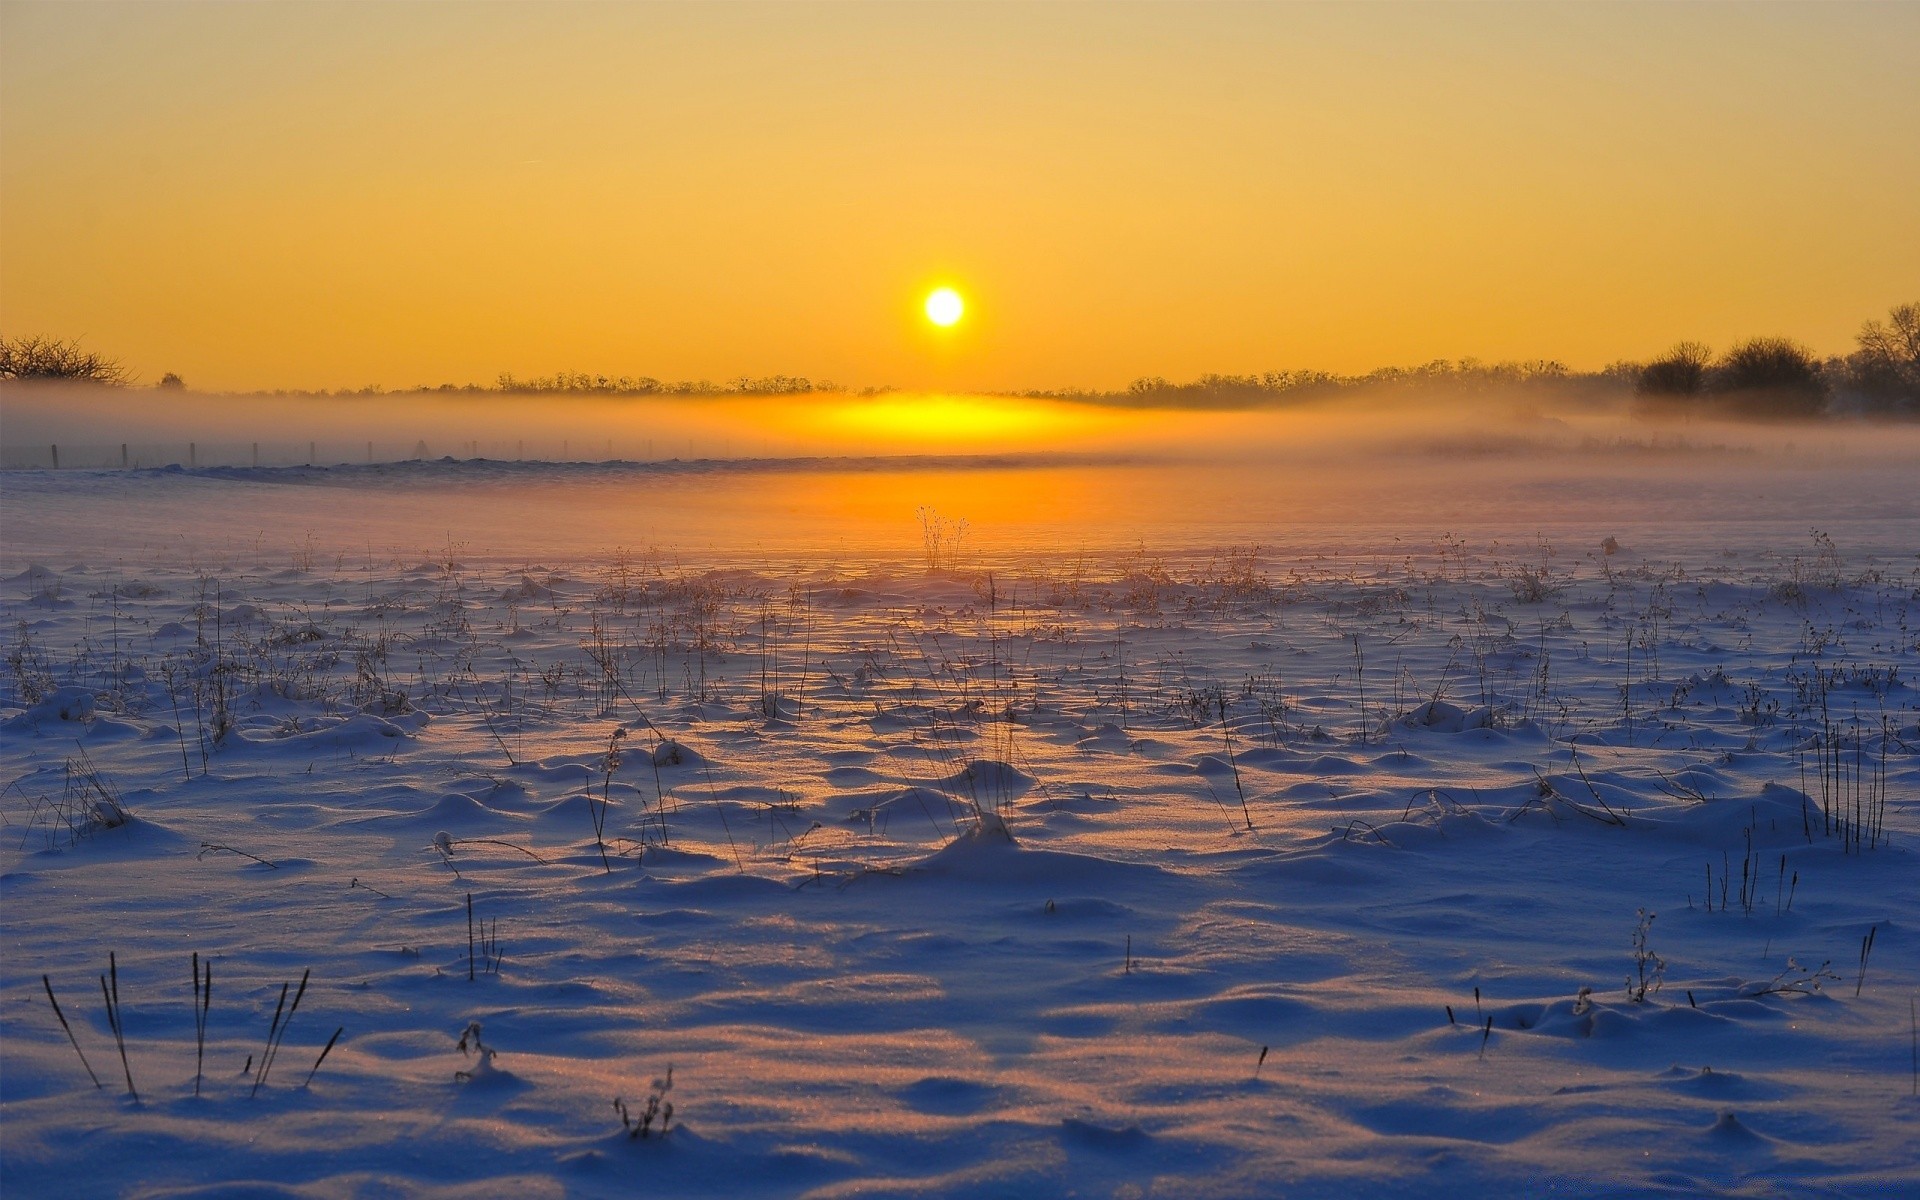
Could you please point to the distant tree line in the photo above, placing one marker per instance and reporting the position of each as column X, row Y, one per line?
column 1761, row 377
column 582, row 383
column 1778, row 377
column 1283, row 387
column 1769, row 377
column 646, row 385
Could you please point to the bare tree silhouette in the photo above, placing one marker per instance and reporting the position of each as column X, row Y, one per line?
column 57, row 360
column 1885, row 370
column 1681, row 371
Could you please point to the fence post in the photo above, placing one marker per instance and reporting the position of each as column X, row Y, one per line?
column 123, row 456
column 56, row 456
column 193, row 454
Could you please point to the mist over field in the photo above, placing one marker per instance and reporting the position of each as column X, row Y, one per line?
column 93, row 423
column 791, row 476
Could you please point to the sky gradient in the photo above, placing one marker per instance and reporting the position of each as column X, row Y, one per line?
column 330, row 195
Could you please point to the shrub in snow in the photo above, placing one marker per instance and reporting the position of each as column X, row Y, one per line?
column 657, row 1106
column 1648, row 968
column 88, row 803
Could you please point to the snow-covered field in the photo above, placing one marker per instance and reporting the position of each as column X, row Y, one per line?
column 1558, row 843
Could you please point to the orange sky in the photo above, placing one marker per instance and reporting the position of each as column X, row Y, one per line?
column 332, row 195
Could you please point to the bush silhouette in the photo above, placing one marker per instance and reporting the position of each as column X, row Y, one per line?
column 56, row 360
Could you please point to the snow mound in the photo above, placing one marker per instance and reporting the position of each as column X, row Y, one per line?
column 574, row 813
column 70, row 705
column 989, row 777
column 360, row 732
column 1440, row 716
column 670, row 753
column 457, row 811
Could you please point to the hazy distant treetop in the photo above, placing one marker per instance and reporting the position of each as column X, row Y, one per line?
column 1771, row 376
column 1270, row 387
column 1681, row 371
column 646, row 385
column 1898, row 340
column 56, row 360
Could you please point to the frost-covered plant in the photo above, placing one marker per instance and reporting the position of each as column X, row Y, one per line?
column 32, row 676
column 1533, row 585
column 657, row 1107
column 597, row 808
column 1758, row 708
column 443, row 843
column 940, row 539
column 1648, row 968
column 483, row 1054
column 488, row 958
column 92, row 795
column 1796, row 979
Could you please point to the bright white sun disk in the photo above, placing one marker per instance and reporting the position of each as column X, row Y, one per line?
column 944, row 306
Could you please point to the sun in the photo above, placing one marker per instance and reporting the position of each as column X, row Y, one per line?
column 944, row 306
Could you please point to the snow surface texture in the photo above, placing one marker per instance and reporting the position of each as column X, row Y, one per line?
column 1441, row 866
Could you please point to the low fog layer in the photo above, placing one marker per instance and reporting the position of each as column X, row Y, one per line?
column 157, row 428
column 1007, row 477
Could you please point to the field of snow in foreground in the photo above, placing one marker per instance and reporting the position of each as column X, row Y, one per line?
column 1444, row 866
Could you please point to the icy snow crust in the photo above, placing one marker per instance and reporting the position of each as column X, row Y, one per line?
column 1181, row 870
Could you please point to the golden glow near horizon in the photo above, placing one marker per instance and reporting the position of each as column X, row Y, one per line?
column 332, row 195
column 944, row 306
column 965, row 423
